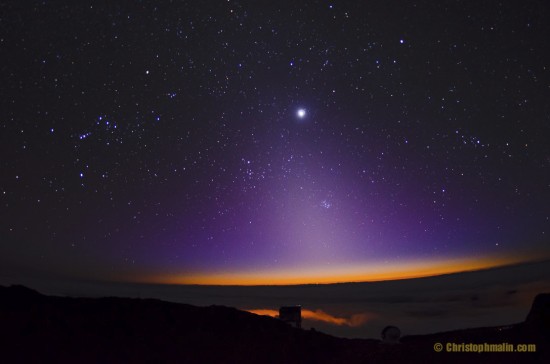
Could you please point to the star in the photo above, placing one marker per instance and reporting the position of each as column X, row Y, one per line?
column 326, row 204
column 301, row 113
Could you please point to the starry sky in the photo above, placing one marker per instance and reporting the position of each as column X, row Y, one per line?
column 272, row 142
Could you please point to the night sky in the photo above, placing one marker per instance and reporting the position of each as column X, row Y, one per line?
column 272, row 141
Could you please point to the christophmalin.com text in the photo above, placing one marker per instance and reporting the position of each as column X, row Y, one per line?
column 451, row 347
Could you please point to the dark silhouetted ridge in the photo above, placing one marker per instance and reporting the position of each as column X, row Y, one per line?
column 45, row 329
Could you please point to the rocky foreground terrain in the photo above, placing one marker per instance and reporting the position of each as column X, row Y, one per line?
column 35, row 328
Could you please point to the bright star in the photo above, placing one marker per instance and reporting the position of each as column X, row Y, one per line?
column 301, row 113
column 326, row 204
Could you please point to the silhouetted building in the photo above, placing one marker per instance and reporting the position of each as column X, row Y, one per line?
column 291, row 315
column 390, row 335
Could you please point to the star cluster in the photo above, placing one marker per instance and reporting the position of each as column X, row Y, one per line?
column 177, row 138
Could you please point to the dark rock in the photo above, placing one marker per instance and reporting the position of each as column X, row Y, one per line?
column 539, row 315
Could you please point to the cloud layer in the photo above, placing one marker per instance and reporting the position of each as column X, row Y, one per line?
column 320, row 315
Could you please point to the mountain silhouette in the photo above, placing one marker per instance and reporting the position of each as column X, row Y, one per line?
column 36, row 328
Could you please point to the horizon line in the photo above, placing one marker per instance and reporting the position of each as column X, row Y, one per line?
column 404, row 276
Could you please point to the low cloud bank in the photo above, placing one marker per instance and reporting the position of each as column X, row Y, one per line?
column 320, row 315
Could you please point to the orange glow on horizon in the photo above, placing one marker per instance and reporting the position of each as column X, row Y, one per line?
column 367, row 272
column 264, row 312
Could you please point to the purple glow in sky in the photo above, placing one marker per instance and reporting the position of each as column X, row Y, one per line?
column 197, row 139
